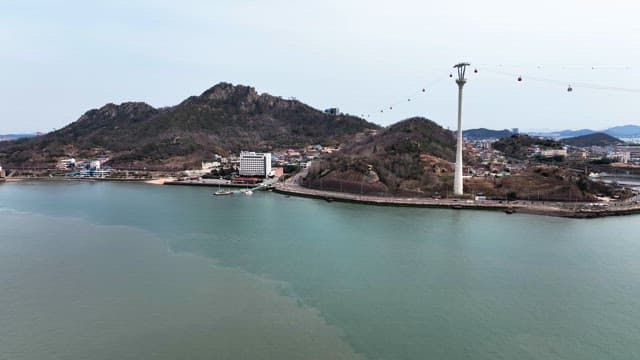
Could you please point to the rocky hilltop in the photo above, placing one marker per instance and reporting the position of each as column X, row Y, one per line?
column 225, row 118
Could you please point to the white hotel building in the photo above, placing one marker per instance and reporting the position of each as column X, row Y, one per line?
column 255, row 164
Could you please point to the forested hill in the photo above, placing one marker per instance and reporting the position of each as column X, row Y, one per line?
column 595, row 139
column 516, row 146
column 225, row 118
column 485, row 134
column 409, row 156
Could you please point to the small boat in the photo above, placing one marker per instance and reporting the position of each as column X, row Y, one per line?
column 222, row 192
column 510, row 211
column 248, row 192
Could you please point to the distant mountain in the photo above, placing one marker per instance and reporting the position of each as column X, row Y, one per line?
column 562, row 134
column 485, row 134
column 225, row 118
column 8, row 137
column 595, row 139
column 574, row 133
column 625, row 131
column 619, row 132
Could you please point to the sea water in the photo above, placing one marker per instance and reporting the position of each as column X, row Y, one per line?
column 131, row 271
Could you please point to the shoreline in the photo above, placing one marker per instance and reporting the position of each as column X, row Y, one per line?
column 18, row 179
column 208, row 184
column 556, row 209
column 160, row 181
column 521, row 207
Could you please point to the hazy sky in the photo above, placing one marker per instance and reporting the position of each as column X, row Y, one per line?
column 61, row 58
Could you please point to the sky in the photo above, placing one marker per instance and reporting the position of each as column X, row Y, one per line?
column 62, row 58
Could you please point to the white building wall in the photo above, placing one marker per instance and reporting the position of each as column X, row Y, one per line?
column 255, row 164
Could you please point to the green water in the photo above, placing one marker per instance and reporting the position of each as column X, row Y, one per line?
column 131, row 271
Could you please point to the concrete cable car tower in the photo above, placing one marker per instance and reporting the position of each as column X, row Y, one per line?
column 457, row 179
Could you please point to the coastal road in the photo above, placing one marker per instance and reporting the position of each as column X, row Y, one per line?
column 294, row 186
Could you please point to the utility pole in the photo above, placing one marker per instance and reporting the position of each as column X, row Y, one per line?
column 457, row 179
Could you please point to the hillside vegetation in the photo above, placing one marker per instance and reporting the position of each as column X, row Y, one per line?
column 516, row 146
column 413, row 155
column 485, row 134
column 415, row 158
column 542, row 182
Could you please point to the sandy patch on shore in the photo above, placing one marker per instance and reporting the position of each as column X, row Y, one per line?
column 160, row 181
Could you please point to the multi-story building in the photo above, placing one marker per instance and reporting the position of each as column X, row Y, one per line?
column 255, row 164
column 577, row 155
column 554, row 152
column 211, row 165
column 620, row 156
column 66, row 164
column 633, row 150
